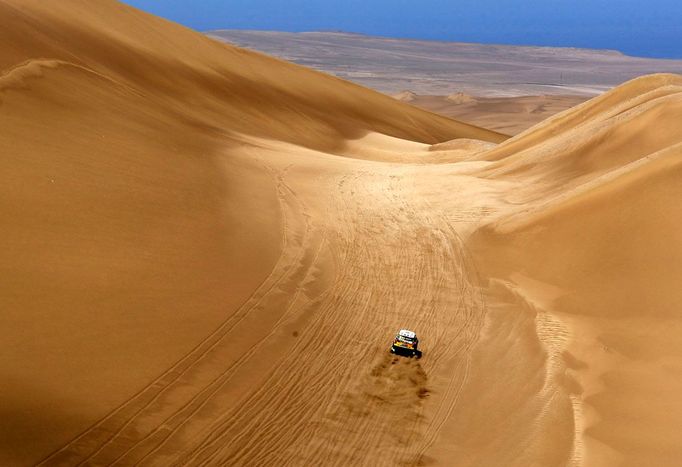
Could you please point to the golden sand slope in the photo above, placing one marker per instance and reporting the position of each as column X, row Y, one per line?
column 601, row 258
column 207, row 252
column 134, row 224
column 509, row 115
column 221, row 88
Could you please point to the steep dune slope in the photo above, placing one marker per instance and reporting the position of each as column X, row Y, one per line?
column 618, row 240
column 215, row 85
column 601, row 257
column 593, row 140
column 115, row 222
column 137, row 217
column 609, row 106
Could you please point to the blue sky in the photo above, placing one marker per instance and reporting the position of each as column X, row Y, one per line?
column 637, row 27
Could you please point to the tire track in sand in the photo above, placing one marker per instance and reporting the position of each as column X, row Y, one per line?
column 111, row 429
column 338, row 398
column 333, row 395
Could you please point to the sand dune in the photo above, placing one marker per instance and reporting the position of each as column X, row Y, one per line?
column 601, row 257
column 508, row 115
column 208, row 250
column 405, row 96
column 610, row 258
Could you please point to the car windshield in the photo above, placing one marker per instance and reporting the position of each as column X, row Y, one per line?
column 406, row 340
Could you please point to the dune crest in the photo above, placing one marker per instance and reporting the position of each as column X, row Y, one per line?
column 609, row 105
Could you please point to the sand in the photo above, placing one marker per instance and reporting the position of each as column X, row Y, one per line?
column 208, row 251
column 508, row 115
column 405, row 96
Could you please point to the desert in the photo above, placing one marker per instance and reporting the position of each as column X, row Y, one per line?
column 207, row 252
column 500, row 87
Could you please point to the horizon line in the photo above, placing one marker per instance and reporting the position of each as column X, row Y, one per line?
column 445, row 41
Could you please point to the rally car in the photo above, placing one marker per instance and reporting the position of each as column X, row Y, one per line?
column 406, row 343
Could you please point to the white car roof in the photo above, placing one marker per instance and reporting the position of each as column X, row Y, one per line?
column 406, row 333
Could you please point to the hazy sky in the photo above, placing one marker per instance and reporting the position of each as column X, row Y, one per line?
column 636, row 27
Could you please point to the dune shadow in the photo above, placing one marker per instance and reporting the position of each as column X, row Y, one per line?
column 35, row 423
